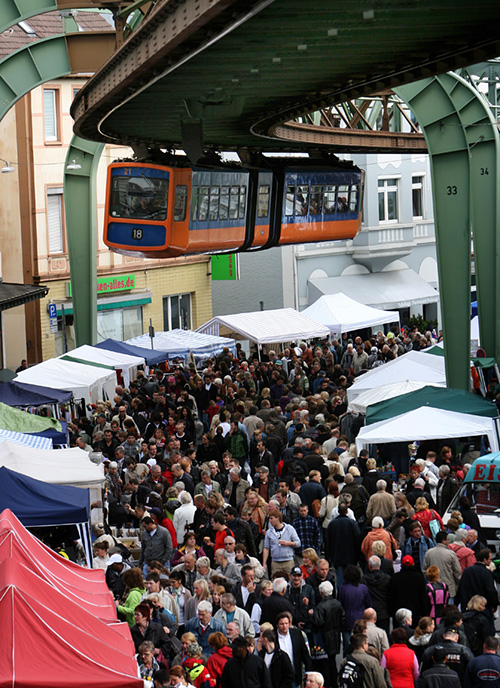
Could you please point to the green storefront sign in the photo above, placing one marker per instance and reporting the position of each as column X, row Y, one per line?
column 110, row 285
column 225, row 267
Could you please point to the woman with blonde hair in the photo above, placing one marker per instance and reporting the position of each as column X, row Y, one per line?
column 328, row 503
column 420, row 640
column 424, row 515
column 201, row 592
column 477, row 623
column 309, row 562
column 256, row 507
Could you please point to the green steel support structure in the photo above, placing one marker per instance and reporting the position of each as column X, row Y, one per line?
column 462, row 140
column 21, row 72
column 80, row 203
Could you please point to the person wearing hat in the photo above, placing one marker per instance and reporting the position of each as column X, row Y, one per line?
column 408, row 589
column 458, row 656
column 116, row 566
column 302, row 596
column 245, row 668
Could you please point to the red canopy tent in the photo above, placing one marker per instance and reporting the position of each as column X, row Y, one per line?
column 50, row 638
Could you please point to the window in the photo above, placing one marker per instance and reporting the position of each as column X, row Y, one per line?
column 302, row 200
column 194, row 203
column 329, row 199
column 214, row 203
column 224, row 203
column 177, row 312
column 119, row 323
column 417, row 196
column 233, row 202
column 263, row 202
column 180, row 203
column 203, row 204
column 353, row 198
column 51, row 114
column 27, row 28
column 343, row 199
column 55, row 222
column 316, row 200
column 388, row 200
column 143, row 196
column 243, row 202
column 290, row 200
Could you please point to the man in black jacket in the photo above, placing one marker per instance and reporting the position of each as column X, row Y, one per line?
column 378, row 583
column 278, row 662
column 329, row 618
column 478, row 580
column 439, row 675
column 241, row 529
column 244, row 668
column 343, row 543
column 291, row 641
column 407, row 590
column 457, row 655
column 321, row 575
column 276, row 603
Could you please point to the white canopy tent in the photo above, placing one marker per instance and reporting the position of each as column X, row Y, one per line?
column 428, row 423
column 267, row 327
column 341, row 314
column 180, row 343
column 414, row 365
column 384, row 392
column 56, row 466
column 87, row 381
column 124, row 362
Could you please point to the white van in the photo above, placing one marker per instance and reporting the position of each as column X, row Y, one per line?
column 482, row 486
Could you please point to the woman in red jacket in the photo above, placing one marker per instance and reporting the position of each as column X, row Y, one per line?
column 217, row 660
column 400, row 661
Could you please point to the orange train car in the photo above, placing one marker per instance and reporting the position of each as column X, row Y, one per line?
column 160, row 211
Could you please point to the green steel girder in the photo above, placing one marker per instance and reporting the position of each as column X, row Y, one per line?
column 80, row 204
column 14, row 11
column 31, row 66
column 462, row 140
column 20, row 72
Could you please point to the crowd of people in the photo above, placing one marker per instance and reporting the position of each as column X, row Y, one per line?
column 272, row 553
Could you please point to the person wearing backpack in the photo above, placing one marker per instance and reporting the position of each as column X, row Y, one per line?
column 476, row 624
column 359, row 669
column 438, row 593
column 442, row 557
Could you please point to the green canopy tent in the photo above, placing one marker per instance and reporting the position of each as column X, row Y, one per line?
column 444, row 398
column 15, row 420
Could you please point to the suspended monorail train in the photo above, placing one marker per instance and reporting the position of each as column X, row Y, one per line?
column 159, row 211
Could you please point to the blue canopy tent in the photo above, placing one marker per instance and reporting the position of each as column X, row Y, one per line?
column 19, row 394
column 153, row 357
column 473, row 309
column 58, row 438
column 36, row 504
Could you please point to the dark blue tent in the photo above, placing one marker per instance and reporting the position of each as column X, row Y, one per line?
column 152, row 356
column 36, row 503
column 19, row 394
column 56, row 436
column 473, row 309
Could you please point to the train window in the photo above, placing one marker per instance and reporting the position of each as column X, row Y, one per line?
column 233, row 202
column 194, row 203
column 203, row 203
column 329, row 200
column 214, row 203
column 353, row 198
column 343, row 199
column 224, row 203
column 180, row 203
column 142, row 196
column 243, row 202
column 290, row 200
column 316, row 200
column 302, row 200
column 263, row 203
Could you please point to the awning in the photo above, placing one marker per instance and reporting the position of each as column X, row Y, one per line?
column 12, row 295
column 109, row 302
column 392, row 289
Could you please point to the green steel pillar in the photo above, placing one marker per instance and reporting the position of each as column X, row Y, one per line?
column 480, row 134
column 81, row 227
column 441, row 123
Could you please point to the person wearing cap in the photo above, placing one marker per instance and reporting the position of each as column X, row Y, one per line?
column 245, row 668
column 408, row 589
column 101, row 424
column 458, row 656
column 302, row 596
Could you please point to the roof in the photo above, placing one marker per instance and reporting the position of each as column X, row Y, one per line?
column 385, row 392
column 12, row 295
column 17, row 394
column 245, row 67
column 37, row 503
column 391, row 289
column 340, row 313
column 427, row 423
column 180, row 343
column 267, row 327
column 436, row 397
column 152, row 357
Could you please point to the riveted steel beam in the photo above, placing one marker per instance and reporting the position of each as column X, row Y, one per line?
column 462, row 141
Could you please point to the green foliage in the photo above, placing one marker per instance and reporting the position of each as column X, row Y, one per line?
column 421, row 324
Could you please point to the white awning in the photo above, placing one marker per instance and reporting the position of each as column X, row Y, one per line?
column 392, row 289
column 266, row 327
column 340, row 313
